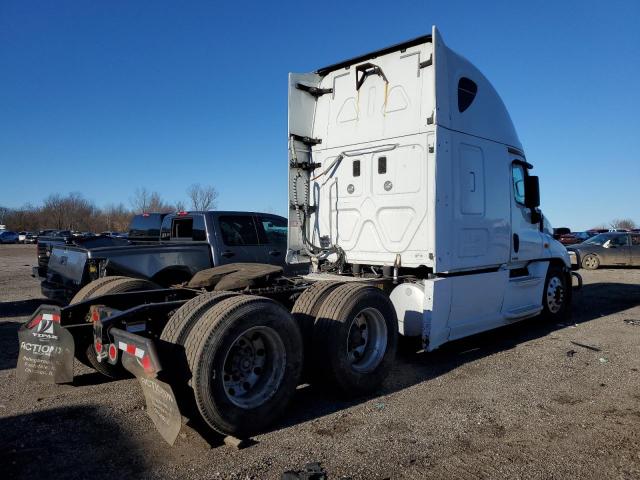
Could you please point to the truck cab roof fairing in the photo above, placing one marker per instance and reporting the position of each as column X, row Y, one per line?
column 368, row 56
column 486, row 116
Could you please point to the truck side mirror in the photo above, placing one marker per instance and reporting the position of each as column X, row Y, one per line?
column 531, row 192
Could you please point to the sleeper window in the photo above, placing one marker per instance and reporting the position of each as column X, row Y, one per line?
column 467, row 90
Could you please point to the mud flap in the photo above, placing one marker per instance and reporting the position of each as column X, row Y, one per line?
column 46, row 349
column 139, row 356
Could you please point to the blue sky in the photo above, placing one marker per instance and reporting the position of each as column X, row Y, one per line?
column 104, row 97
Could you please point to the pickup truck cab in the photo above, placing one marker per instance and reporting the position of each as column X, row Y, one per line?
column 188, row 242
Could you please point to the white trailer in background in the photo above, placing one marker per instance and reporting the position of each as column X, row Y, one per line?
column 412, row 200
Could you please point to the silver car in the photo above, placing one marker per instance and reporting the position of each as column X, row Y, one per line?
column 613, row 248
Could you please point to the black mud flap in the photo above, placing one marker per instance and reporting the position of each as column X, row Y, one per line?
column 46, row 348
column 140, row 357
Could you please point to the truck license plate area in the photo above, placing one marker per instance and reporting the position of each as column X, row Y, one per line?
column 139, row 356
column 46, row 349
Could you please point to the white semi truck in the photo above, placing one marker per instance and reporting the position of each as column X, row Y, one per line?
column 411, row 199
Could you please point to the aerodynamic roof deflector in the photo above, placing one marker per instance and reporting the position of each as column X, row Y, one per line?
column 368, row 56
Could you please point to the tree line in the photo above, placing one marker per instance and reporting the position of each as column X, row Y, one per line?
column 74, row 212
column 618, row 223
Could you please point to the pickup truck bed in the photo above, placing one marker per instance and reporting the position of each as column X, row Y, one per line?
column 189, row 242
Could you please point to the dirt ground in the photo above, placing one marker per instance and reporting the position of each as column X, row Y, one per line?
column 519, row 402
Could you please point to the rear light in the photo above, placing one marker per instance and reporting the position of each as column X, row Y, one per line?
column 98, row 346
column 113, row 352
column 145, row 214
column 182, row 214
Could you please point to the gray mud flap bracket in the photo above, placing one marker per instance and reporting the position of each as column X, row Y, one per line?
column 139, row 356
column 45, row 348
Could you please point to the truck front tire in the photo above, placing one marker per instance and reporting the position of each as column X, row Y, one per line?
column 556, row 296
column 246, row 357
column 355, row 338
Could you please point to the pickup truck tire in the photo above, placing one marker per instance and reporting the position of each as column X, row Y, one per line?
column 85, row 352
column 246, row 357
column 305, row 311
column 355, row 339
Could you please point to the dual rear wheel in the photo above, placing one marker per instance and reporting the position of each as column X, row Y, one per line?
column 245, row 353
column 237, row 359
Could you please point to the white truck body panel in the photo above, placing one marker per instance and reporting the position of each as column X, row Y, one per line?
column 409, row 160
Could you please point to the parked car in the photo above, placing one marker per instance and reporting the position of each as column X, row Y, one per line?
column 31, row 238
column 114, row 234
column 574, row 238
column 189, row 242
column 7, row 236
column 22, row 236
column 613, row 248
column 560, row 231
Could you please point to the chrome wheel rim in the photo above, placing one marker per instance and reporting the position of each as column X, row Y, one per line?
column 367, row 340
column 591, row 262
column 254, row 367
column 555, row 295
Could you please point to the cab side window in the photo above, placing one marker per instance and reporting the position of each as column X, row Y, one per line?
column 517, row 174
column 275, row 231
column 199, row 230
column 619, row 241
column 635, row 240
column 238, row 230
column 165, row 229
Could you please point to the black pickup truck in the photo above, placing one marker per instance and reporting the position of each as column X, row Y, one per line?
column 143, row 228
column 189, row 242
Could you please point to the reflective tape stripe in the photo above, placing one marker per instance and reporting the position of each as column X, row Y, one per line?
column 51, row 316
column 131, row 349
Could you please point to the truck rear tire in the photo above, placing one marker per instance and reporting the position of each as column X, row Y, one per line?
column 86, row 292
column 355, row 338
column 246, row 357
column 175, row 334
column 305, row 311
column 182, row 321
column 85, row 352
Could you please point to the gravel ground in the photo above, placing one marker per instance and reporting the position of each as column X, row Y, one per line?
column 519, row 402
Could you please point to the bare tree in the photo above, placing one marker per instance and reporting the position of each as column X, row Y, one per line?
column 203, row 197
column 3, row 213
column 140, row 200
column 623, row 223
column 180, row 206
column 113, row 218
column 145, row 201
column 53, row 209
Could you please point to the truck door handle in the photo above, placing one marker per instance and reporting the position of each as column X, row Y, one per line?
column 274, row 253
column 516, row 242
column 227, row 253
